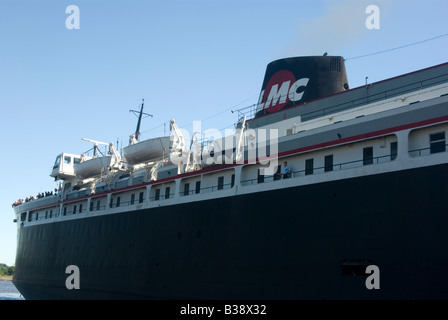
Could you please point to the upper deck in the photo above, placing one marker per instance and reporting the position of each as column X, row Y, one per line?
column 354, row 98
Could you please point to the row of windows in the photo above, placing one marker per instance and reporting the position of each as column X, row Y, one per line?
column 368, row 158
column 38, row 215
column 117, row 200
column 437, row 144
column 75, row 209
column 99, row 205
column 197, row 188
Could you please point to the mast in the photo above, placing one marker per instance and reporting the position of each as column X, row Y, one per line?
column 137, row 131
column 140, row 114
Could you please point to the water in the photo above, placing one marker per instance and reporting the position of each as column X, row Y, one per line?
column 9, row 292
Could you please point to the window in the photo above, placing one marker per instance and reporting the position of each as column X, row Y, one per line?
column 132, row 199
column 51, row 213
column 260, row 177
column 140, row 197
column 232, row 181
column 74, row 209
column 98, row 205
column 278, row 173
column 56, row 163
column 157, row 196
column 186, row 189
column 198, row 187
column 67, row 159
column 65, row 211
column 91, row 205
column 220, row 183
column 118, row 202
column 328, row 163
column 309, row 166
column 111, row 204
column 80, row 208
column 393, row 150
column 437, row 142
column 167, row 192
column 367, row 155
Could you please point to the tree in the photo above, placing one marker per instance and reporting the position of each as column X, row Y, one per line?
column 6, row 270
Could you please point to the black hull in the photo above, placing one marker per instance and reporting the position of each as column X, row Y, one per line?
column 307, row 242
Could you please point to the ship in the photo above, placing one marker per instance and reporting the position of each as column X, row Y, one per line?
column 322, row 192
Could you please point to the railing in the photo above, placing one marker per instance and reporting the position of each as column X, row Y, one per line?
column 207, row 189
column 126, row 203
column 43, row 216
column 250, row 111
column 96, row 208
column 376, row 97
column 162, row 197
column 38, row 202
column 319, row 170
column 77, row 194
column 427, row 151
column 72, row 212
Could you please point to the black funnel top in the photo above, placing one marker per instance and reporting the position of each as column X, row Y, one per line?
column 292, row 81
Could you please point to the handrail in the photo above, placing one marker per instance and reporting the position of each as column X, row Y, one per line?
column 420, row 151
column 351, row 104
column 383, row 95
column 318, row 170
column 225, row 186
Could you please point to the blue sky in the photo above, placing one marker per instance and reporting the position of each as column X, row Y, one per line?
column 190, row 60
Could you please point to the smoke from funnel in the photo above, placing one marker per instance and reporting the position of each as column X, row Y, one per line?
column 341, row 25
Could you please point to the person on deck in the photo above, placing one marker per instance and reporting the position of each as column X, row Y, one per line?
column 286, row 171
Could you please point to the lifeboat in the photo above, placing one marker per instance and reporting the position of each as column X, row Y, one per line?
column 146, row 150
column 93, row 167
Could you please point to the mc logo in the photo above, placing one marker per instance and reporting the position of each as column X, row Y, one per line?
column 282, row 88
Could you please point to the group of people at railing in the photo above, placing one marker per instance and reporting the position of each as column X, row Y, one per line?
column 18, row 202
column 31, row 198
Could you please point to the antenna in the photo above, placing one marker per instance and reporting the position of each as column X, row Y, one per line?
column 140, row 113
